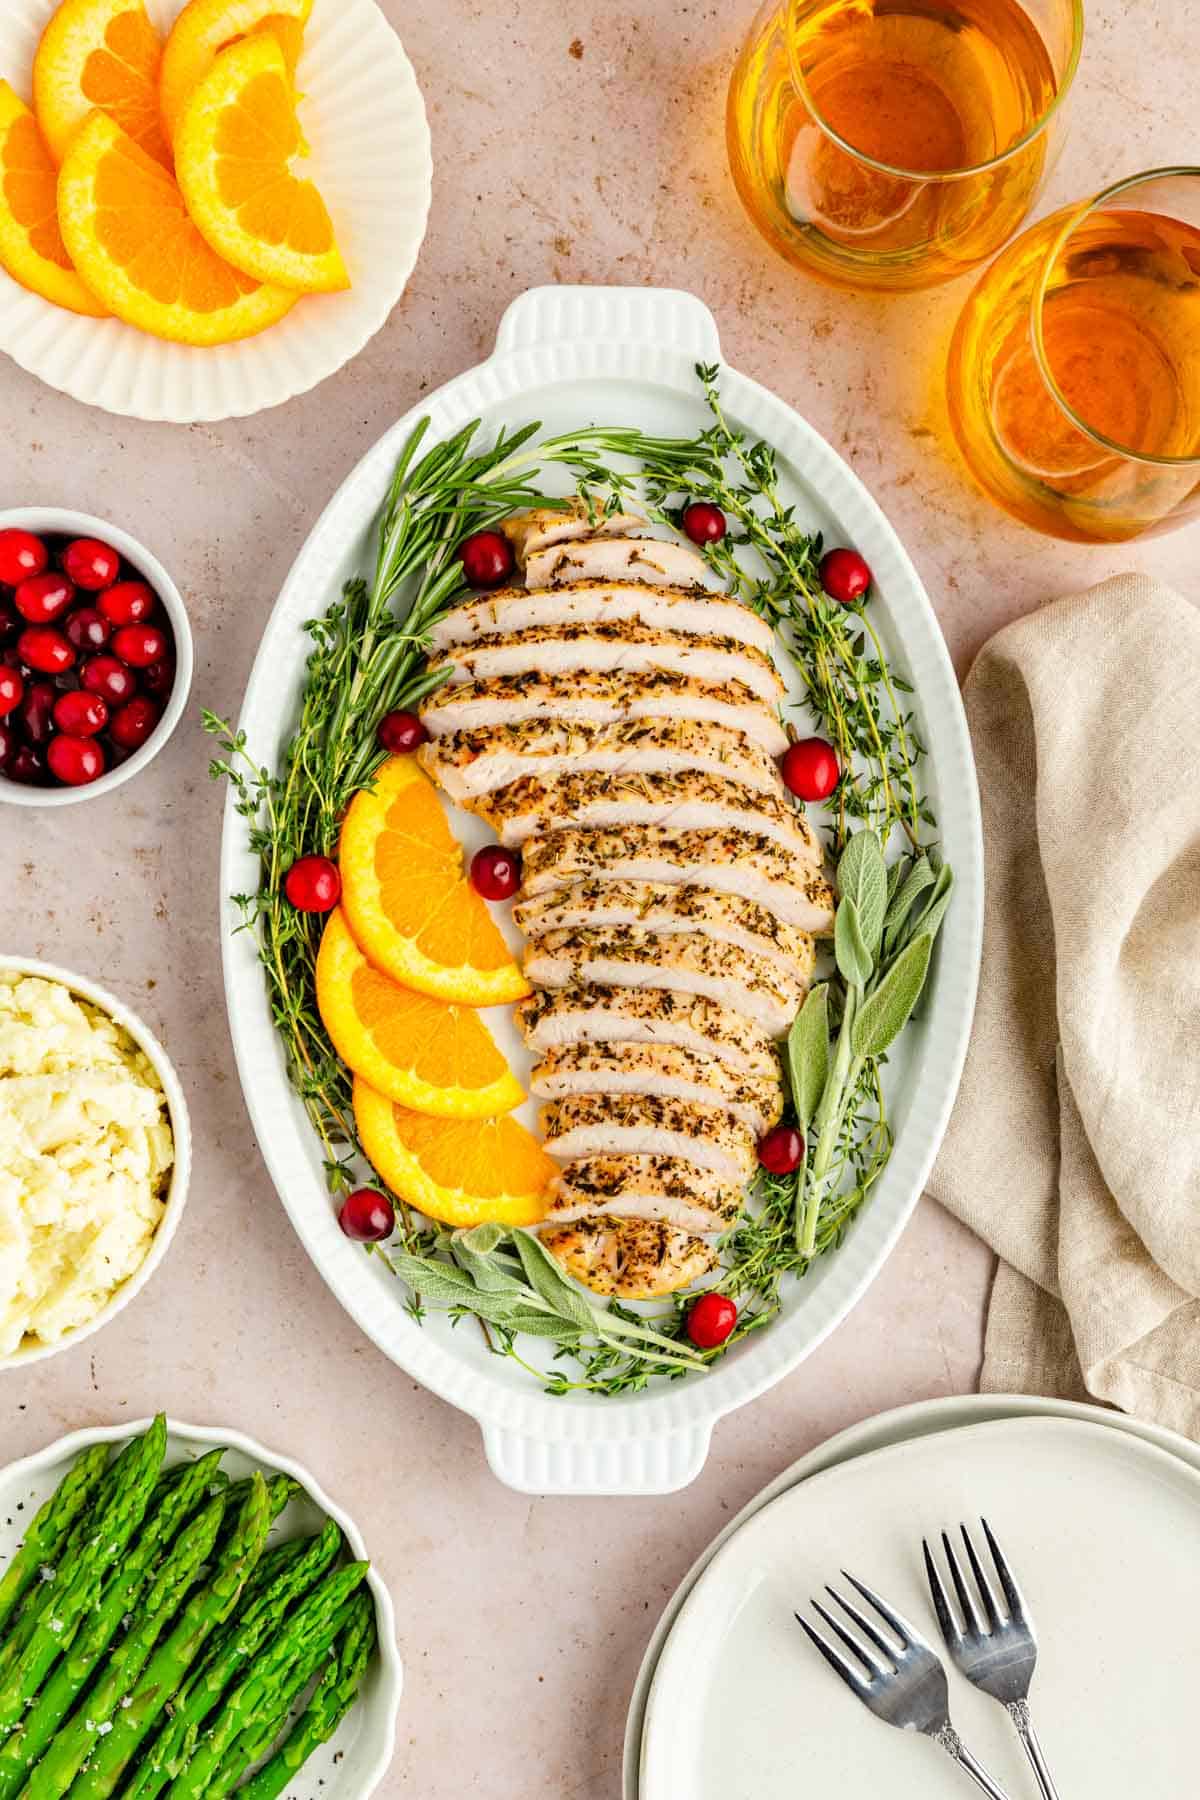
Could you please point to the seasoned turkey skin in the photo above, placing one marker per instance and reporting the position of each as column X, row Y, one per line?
column 602, row 698
column 630, row 1259
column 668, row 1069
column 653, row 561
column 471, row 764
column 648, row 1124
column 551, row 1018
column 529, row 532
column 645, row 1187
column 507, row 610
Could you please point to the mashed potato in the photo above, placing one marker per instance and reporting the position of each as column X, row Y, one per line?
column 85, row 1153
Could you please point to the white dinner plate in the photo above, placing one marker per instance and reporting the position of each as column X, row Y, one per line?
column 352, row 1764
column 571, row 357
column 364, row 120
column 1103, row 1532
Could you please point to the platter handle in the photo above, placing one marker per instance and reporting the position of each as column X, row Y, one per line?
column 666, row 316
column 628, row 1467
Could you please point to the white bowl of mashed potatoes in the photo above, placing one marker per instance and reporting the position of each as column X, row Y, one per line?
column 94, row 1158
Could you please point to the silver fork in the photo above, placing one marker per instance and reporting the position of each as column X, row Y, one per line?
column 996, row 1651
column 904, row 1685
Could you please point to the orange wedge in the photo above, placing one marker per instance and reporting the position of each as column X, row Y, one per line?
column 234, row 150
column 31, row 245
column 128, row 233
column 407, row 900
column 99, row 53
column 461, row 1172
column 421, row 1053
column 206, row 27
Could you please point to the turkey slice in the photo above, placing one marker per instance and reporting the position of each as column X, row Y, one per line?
column 599, row 603
column 645, row 1187
column 578, row 1015
column 647, row 1124
column 668, row 1069
column 630, row 1259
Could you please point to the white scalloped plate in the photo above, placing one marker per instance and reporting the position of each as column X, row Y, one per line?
column 354, row 1761
column 365, row 120
column 569, row 357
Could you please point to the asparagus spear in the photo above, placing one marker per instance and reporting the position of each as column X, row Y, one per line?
column 78, row 1582
column 332, row 1699
column 176, row 1495
column 253, row 1626
column 38, row 1596
column 50, row 1526
column 208, row 1607
column 309, row 1632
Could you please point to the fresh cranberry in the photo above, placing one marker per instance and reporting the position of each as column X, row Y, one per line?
column 313, row 884
column 487, row 559
column 704, row 523
column 76, row 761
column 26, row 765
column 134, row 723
column 21, row 554
column 43, row 598
column 81, row 714
column 105, row 675
column 128, row 603
column 495, row 872
column 710, row 1319
column 810, row 769
column 12, row 691
column 367, row 1216
column 158, row 678
column 400, row 732
column 844, row 576
column 37, row 712
column 139, row 645
column 91, row 564
column 781, row 1150
column 45, row 649
column 88, row 629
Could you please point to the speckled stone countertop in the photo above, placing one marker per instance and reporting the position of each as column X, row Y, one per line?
column 576, row 143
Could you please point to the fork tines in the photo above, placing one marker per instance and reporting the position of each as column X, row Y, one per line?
column 891, row 1652
column 971, row 1611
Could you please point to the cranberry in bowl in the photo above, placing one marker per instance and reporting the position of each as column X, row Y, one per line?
column 95, row 656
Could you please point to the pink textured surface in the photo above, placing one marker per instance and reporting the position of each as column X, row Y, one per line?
column 577, row 144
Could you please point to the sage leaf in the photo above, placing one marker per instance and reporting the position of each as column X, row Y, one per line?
column 549, row 1282
column 485, row 1271
column 862, row 877
column 895, row 876
column 482, row 1239
column 929, row 921
column 919, row 877
column 883, row 1017
column 434, row 1280
column 853, row 958
column 808, row 1054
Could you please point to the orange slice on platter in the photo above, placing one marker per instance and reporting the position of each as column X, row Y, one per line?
column 423, row 1054
column 206, row 27
column 31, row 244
column 128, row 233
column 461, row 1172
column 105, row 54
column 407, row 898
column 234, row 150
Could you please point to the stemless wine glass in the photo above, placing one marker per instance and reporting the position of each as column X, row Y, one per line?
column 894, row 144
column 1074, row 374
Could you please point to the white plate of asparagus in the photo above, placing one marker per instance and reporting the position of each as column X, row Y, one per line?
column 183, row 1613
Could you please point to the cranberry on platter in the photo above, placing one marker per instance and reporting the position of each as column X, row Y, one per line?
column 781, row 1150
column 367, row 1216
column 487, row 558
column 21, row 555
column 810, row 769
column 496, row 872
column 76, row 761
column 704, row 523
column 313, row 884
column 844, row 576
column 91, row 564
column 400, row 732
column 710, row 1319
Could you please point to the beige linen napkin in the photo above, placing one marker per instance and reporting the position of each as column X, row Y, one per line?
column 1074, row 1148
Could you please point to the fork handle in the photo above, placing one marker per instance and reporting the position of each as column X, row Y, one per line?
column 1018, row 1712
column 954, row 1747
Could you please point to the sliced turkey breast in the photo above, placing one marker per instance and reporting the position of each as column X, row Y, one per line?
column 685, row 962
column 587, row 697
column 600, row 603
column 757, row 1100
column 624, row 645
column 645, row 1187
column 468, row 764
column 691, row 800
column 648, row 1124
column 630, row 1259
column 530, row 532
column 734, row 862
column 578, row 1015
column 656, row 905
column 658, row 562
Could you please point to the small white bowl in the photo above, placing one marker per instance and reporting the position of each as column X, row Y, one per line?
column 57, row 521
column 177, row 1112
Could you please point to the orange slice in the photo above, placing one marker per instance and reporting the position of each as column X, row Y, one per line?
column 407, row 900
column 31, row 245
column 128, row 233
column 459, row 1171
column 234, row 150
column 99, row 53
column 422, row 1053
column 206, row 27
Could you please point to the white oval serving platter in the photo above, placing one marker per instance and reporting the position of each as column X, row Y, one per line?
column 570, row 357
